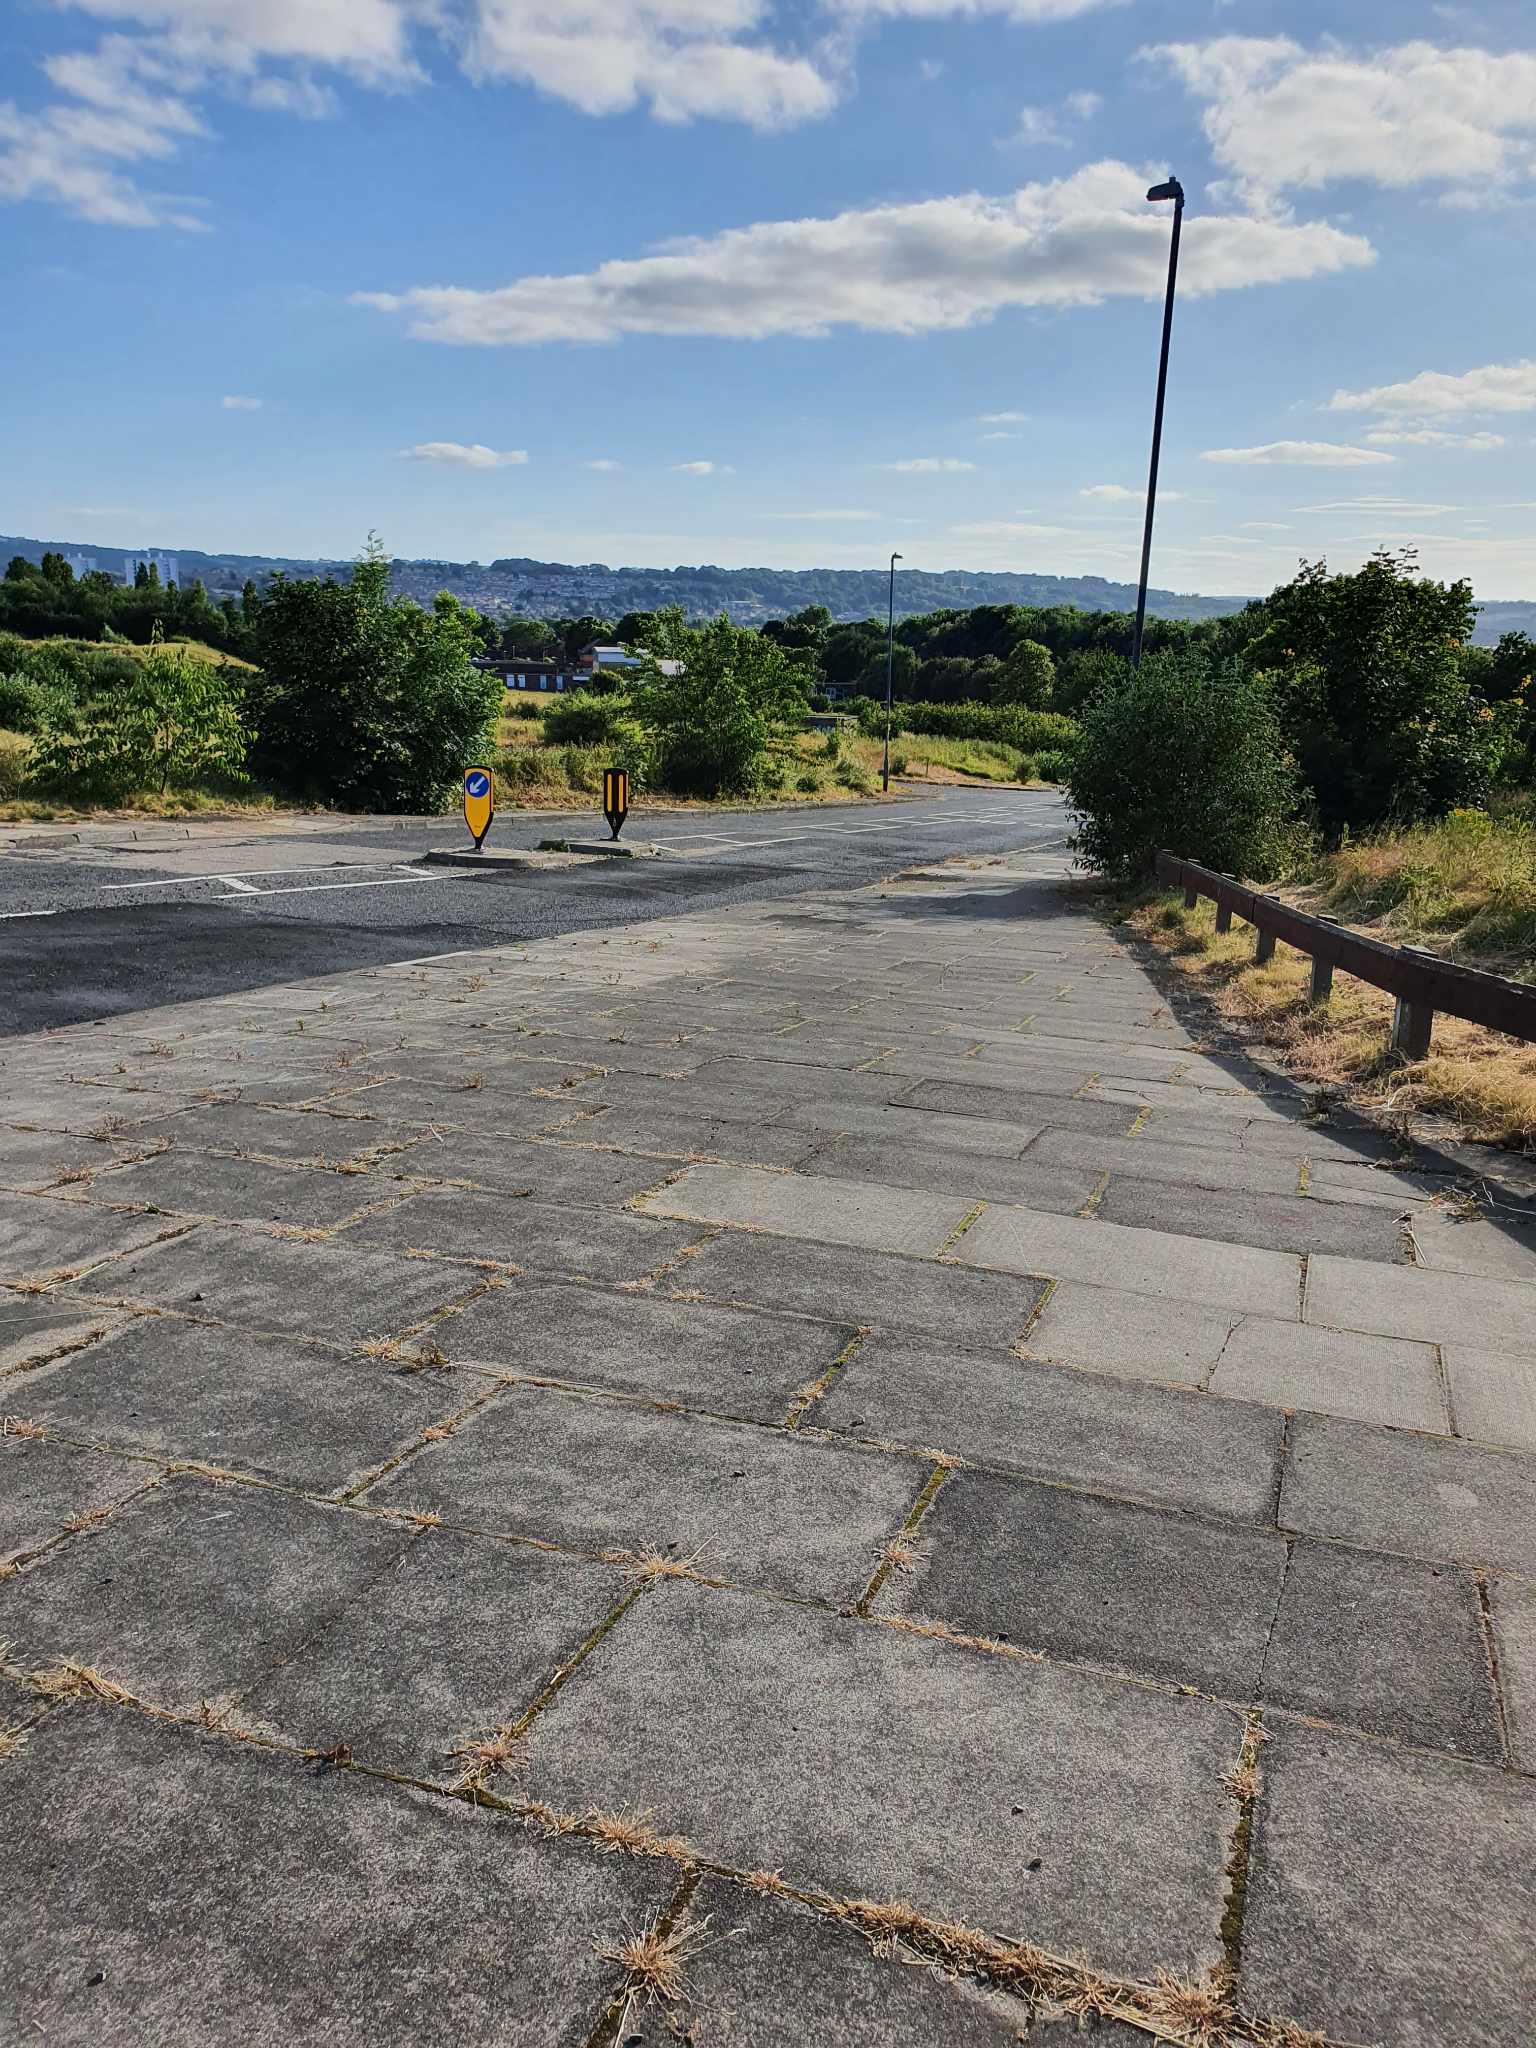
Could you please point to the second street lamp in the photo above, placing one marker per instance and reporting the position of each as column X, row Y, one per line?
column 1175, row 191
column 890, row 655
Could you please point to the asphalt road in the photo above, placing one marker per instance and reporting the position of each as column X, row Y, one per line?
column 112, row 919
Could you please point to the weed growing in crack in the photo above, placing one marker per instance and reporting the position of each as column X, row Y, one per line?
column 657, row 1958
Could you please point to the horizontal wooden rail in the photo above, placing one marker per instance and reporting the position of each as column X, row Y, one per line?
column 1422, row 982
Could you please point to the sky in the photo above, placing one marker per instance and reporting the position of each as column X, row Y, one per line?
column 789, row 282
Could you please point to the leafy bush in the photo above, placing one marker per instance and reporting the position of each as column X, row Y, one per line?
column 1183, row 756
column 809, row 783
column 522, row 707
column 26, row 705
column 176, row 725
column 853, row 775
column 714, row 721
column 1026, row 769
column 900, row 762
column 583, row 720
column 832, row 746
column 1373, row 694
column 1011, row 725
column 368, row 700
column 15, row 757
column 1051, row 766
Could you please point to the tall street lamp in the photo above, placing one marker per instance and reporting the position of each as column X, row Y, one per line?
column 890, row 655
column 1175, row 191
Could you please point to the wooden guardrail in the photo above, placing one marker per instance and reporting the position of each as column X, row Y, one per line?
column 1422, row 982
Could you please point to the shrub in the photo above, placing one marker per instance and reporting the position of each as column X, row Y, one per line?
column 832, row 746
column 523, row 707
column 1050, row 766
column 177, row 725
column 366, row 699
column 852, row 775
column 899, row 762
column 1186, row 757
column 714, row 721
column 809, row 783
column 15, row 755
column 1026, row 769
column 26, row 705
column 583, row 720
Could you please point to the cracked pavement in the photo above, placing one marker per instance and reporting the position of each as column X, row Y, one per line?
column 836, row 1421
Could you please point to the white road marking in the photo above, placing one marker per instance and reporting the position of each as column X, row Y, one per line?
column 28, row 913
column 240, row 888
column 384, row 882
column 311, row 867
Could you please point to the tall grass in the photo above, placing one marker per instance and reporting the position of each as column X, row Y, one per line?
column 1467, row 885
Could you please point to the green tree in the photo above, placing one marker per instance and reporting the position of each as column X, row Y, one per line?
column 1185, row 756
column 905, row 669
column 1083, row 674
column 367, row 700
column 1372, row 693
column 1027, row 676
column 176, row 724
column 715, row 722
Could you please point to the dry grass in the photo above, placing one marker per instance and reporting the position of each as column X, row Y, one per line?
column 643, row 1569
column 1481, row 1080
column 68, row 1679
column 13, row 1741
column 656, row 1957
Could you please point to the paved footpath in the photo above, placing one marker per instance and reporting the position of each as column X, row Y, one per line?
column 835, row 1472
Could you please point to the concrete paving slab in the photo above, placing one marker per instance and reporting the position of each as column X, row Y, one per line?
column 1283, row 1223
column 770, row 1973
column 454, row 1641
column 916, row 1128
column 546, row 1236
column 45, row 1486
column 1085, row 1810
column 194, row 1590
column 502, row 1101
column 665, row 1137
column 1212, row 1165
column 981, row 1310
column 1422, row 1496
column 1335, row 1372
column 1136, row 1336
column 301, row 1135
column 35, row 1328
column 1491, row 1395
column 1020, row 1105
column 1095, row 1581
column 1389, row 1895
column 1152, row 1443
column 1439, row 1308
column 734, row 1361
column 1513, row 1606
column 267, row 1406
column 1387, row 1645
column 1505, row 1250
column 31, row 1160
column 565, row 1167
column 797, row 1205
column 162, row 1880
column 759, row 1507
column 1156, row 1262
column 188, row 1183
column 953, row 1170
column 40, row 1235
column 244, row 1277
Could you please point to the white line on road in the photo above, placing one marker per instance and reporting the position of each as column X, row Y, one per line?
column 28, row 913
column 312, row 867
column 240, row 887
column 384, row 882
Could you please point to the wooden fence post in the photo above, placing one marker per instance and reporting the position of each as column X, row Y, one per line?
column 1223, row 917
column 1264, row 949
column 1413, row 1023
column 1322, row 973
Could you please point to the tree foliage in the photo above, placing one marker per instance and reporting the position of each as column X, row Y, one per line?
column 1372, row 692
column 714, row 724
column 1026, row 676
column 176, row 723
column 367, row 700
column 1185, row 755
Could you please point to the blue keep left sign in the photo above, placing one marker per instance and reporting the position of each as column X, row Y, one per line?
column 477, row 783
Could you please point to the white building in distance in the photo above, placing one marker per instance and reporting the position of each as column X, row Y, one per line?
column 165, row 563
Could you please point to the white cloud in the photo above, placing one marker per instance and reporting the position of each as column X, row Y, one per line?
column 703, row 468
column 1436, row 394
column 1304, row 454
column 1048, row 126
column 1279, row 116
column 368, row 38
column 464, row 455
column 1002, row 436
column 241, row 404
column 1265, row 526
column 927, row 465
column 603, row 462
column 935, row 10
column 1379, row 502
column 908, row 269
column 820, row 518
column 1431, row 437
column 1119, row 494
column 684, row 58
column 1001, row 419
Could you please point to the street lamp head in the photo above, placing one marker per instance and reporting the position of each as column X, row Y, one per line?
column 896, row 558
column 1172, row 190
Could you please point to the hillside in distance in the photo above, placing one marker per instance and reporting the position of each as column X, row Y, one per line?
column 538, row 589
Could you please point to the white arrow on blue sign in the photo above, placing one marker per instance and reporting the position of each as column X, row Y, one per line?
column 477, row 784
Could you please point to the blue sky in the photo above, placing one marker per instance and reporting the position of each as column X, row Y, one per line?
column 659, row 281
